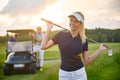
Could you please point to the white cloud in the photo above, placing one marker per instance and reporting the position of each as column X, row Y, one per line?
column 3, row 3
column 25, row 7
column 16, row 14
column 5, row 20
column 97, row 12
column 23, row 13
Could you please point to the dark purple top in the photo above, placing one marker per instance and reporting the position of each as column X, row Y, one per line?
column 70, row 47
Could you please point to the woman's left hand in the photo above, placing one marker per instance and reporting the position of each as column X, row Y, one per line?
column 103, row 47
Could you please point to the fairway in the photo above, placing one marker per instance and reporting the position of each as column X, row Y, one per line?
column 103, row 68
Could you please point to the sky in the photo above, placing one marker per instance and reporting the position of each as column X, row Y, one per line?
column 27, row 14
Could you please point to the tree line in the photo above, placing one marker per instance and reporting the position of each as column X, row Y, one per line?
column 98, row 34
column 104, row 35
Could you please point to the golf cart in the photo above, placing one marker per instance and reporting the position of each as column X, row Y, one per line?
column 19, row 54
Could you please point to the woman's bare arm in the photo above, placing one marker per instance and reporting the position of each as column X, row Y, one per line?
column 88, row 59
column 45, row 42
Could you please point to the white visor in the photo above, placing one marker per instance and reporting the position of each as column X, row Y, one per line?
column 77, row 16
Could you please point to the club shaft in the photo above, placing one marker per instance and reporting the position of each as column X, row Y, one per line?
column 67, row 29
column 97, row 42
column 53, row 23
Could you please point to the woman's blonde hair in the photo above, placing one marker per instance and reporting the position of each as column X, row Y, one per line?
column 82, row 30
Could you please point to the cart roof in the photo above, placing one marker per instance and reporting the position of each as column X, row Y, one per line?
column 21, row 30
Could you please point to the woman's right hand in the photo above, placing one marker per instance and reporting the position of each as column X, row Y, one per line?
column 49, row 25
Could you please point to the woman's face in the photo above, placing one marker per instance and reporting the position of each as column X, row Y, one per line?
column 74, row 24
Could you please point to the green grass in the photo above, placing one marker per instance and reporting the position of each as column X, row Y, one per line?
column 52, row 53
column 103, row 68
column 48, row 72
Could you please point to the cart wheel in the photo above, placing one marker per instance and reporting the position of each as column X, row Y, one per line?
column 7, row 70
column 32, row 68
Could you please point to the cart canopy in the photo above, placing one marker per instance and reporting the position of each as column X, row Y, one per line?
column 21, row 31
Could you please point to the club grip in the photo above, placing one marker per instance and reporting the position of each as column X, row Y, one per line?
column 46, row 20
column 53, row 23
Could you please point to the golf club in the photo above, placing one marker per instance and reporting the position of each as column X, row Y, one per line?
column 67, row 29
